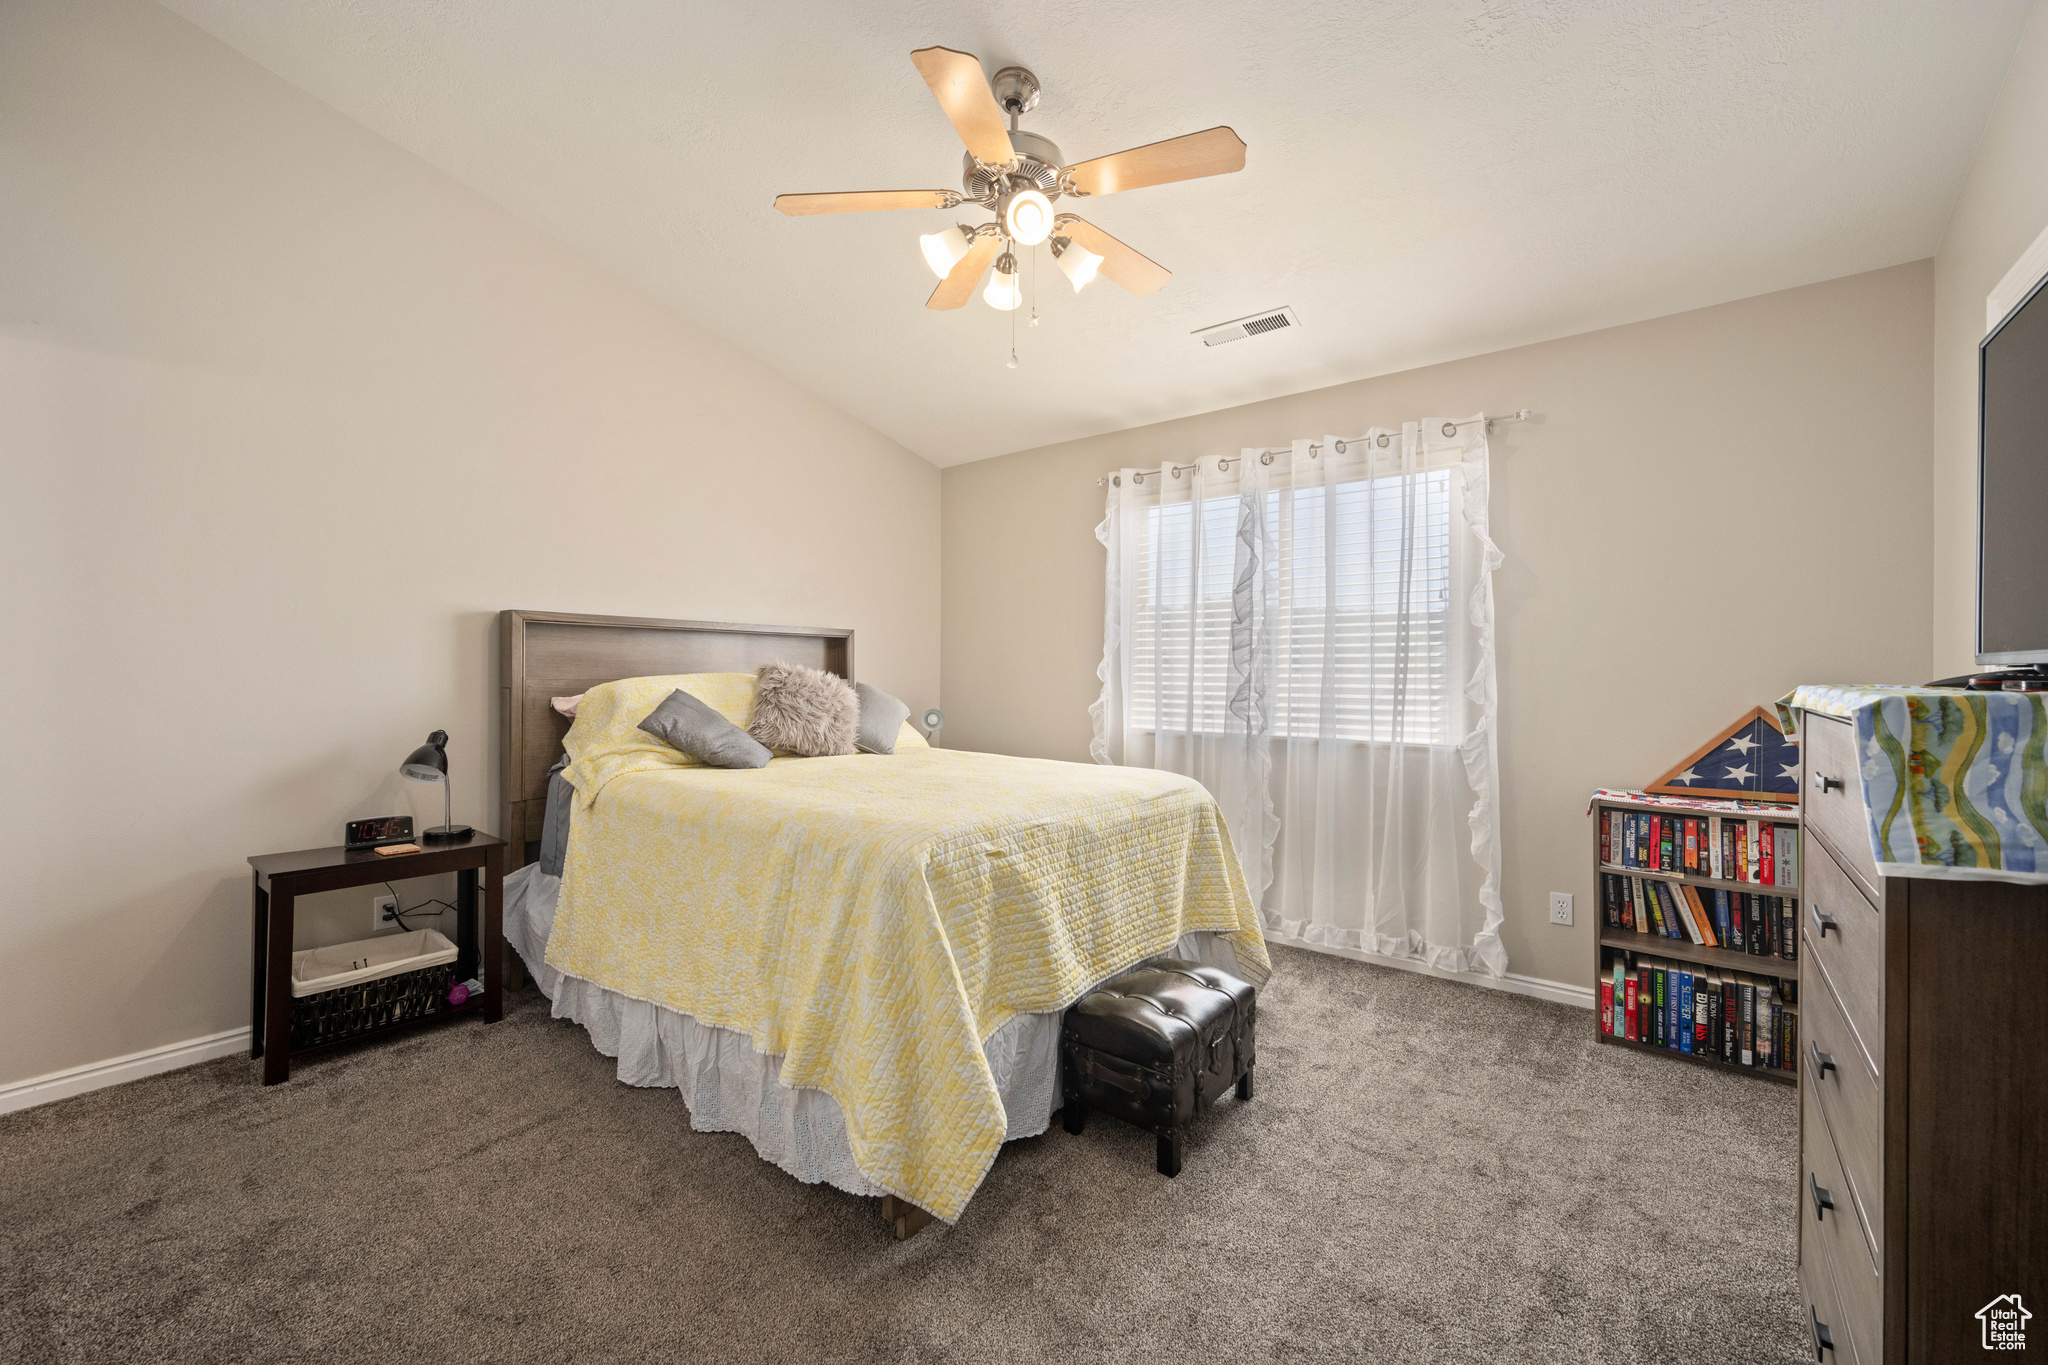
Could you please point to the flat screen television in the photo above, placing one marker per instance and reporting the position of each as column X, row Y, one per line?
column 2012, row 486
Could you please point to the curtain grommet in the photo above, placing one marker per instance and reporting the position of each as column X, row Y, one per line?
column 1266, row 457
column 1385, row 440
column 1118, row 481
column 1341, row 447
column 1138, row 477
column 1450, row 428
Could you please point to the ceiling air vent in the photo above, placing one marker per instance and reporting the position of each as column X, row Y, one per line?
column 1258, row 324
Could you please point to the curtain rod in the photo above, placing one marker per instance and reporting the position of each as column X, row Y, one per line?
column 1266, row 455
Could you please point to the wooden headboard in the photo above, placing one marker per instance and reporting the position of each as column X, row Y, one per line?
column 546, row 654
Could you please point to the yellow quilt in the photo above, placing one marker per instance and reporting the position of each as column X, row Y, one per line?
column 872, row 919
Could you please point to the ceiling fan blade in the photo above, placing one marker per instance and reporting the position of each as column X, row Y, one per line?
column 958, row 286
column 961, row 88
column 864, row 201
column 1132, row 269
column 1217, row 151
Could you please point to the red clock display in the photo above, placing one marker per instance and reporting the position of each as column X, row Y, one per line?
column 383, row 829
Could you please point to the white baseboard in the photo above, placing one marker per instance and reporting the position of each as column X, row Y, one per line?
column 1514, row 984
column 77, row 1080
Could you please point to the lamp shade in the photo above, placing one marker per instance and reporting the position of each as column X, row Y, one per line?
column 429, row 762
column 943, row 250
column 1076, row 262
column 1027, row 217
column 1002, row 291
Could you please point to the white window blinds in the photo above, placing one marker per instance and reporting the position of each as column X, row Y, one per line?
column 1361, row 578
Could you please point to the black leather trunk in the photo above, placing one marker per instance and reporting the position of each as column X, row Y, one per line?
column 1158, row 1046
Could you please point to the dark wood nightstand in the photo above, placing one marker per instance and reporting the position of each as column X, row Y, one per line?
column 281, row 878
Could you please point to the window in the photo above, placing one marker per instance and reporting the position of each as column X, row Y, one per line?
column 1369, row 585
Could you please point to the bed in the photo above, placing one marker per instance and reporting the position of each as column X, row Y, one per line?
column 858, row 963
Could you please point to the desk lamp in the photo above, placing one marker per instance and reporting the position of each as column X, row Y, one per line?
column 429, row 763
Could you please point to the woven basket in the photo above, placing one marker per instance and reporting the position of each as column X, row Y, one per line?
column 330, row 1016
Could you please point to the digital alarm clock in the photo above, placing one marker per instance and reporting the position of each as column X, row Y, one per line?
column 382, row 829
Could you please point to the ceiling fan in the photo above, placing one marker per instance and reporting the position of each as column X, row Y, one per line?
column 1016, row 175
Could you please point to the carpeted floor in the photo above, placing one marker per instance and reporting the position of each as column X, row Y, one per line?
column 1430, row 1172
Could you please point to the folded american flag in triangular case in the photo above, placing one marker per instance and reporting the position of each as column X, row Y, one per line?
column 1751, row 760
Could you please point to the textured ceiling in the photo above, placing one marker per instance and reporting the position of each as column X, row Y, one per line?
column 1425, row 180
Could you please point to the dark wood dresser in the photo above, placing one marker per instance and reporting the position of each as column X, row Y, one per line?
column 1923, row 1130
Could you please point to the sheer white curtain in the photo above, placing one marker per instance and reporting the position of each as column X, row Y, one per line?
column 1310, row 635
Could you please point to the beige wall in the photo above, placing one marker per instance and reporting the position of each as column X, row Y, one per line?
column 1690, row 525
column 286, row 417
column 2003, row 207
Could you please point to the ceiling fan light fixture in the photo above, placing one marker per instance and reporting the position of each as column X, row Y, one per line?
column 1027, row 217
column 1018, row 176
column 1076, row 262
column 943, row 250
column 1002, row 292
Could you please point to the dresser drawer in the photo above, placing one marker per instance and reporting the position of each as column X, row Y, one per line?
column 1831, row 800
column 1824, row 1322
column 1851, row 1098
column 1841, row 936
column 1859, row 1292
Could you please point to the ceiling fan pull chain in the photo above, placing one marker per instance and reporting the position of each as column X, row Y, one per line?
column 1013, row 338
column 1034, row 286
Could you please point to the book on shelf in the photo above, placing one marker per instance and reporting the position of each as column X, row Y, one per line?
column 1749, row 922
column 1747, row 1019
column 1696, row 907
column 1676, row 911
column 1763, row 852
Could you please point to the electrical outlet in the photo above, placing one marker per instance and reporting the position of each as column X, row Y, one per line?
column 381, row 917
column 1560, row 907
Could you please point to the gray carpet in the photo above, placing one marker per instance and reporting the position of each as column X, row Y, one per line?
column 1430, row 1172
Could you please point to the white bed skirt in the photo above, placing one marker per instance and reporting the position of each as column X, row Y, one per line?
column 732, row 1088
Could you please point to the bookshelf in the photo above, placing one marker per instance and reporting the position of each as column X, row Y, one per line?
column 1682, row 959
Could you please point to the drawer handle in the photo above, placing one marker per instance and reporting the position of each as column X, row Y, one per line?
column 1823, row 1339
column 1822, row 1200
column 1827, row 784
column 1826, row 922
column 1822, row 1063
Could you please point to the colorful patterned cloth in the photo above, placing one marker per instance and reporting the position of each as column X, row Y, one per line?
column 1955, row 781
column 1755, row 810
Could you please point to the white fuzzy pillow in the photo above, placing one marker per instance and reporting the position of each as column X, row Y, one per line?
column 804, row 711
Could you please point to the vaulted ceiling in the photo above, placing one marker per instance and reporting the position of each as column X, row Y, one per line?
column 1425, row 180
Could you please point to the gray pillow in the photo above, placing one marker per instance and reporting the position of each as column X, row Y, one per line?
column 804, row 711
column 554, row 828
column 685, row 723
column 881, row 720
